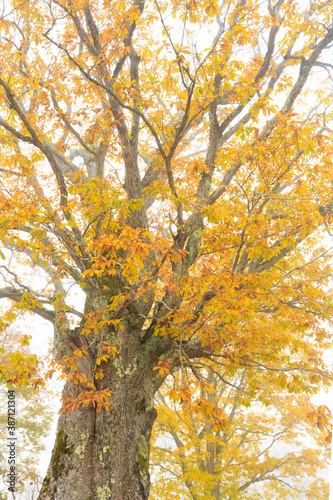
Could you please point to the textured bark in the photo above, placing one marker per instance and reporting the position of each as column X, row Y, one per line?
column 105, row 455
column 101, row 455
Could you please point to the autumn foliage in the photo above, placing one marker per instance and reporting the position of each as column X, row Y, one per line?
column 22, row 371
column 166, row 189
column 221, row 444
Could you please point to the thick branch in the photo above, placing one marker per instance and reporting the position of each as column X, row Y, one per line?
column 17, row 296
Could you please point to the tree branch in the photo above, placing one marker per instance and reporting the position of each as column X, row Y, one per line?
column 17, row 296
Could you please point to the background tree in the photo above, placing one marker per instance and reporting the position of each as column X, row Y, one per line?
column 152, row 156
column 21, row 370
column 215, row 446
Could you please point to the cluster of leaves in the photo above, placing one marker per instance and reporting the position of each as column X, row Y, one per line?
column 33, row 417
column 235, row 447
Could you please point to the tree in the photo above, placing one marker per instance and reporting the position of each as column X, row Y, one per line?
column 19, row 371
column 153, row 157
column 220, row 447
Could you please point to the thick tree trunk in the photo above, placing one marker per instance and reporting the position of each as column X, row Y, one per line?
column 106, row 455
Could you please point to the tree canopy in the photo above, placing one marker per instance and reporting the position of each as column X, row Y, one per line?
column 171, row 161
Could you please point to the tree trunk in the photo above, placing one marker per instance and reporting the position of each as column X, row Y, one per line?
column 106, row 455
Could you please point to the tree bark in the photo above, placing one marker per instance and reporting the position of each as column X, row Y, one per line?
column 105, row 455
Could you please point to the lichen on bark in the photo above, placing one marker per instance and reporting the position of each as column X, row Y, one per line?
column 57, row 465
